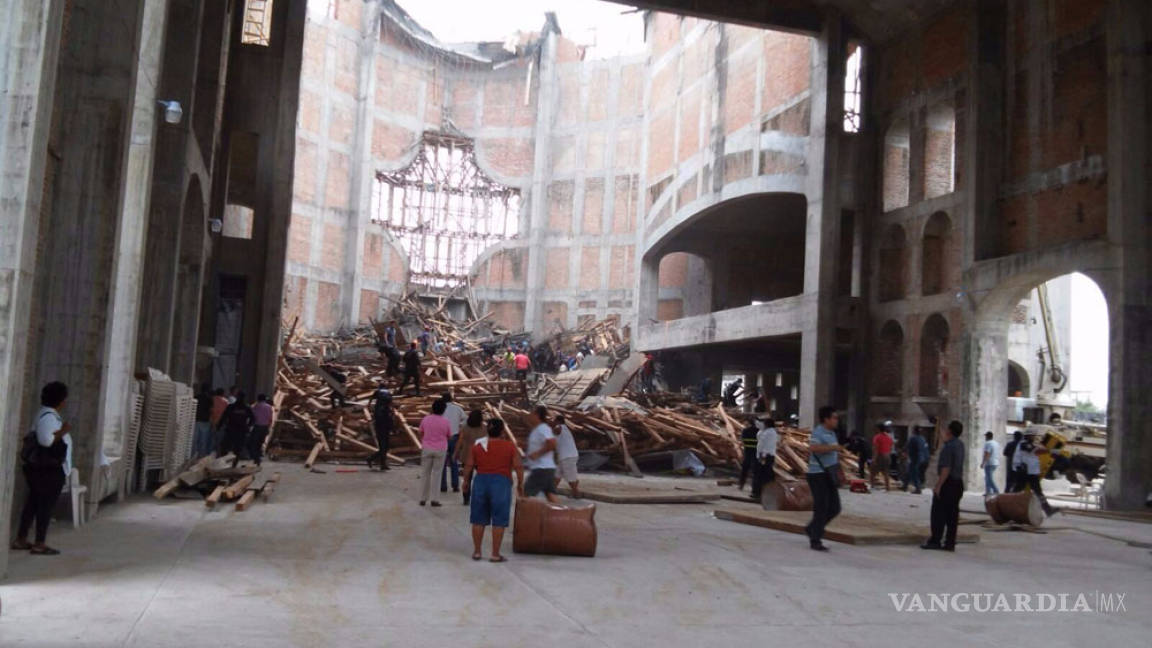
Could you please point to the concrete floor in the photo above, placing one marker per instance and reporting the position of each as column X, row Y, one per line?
column 340, row 558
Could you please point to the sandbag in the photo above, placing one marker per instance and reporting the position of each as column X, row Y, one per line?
column 1022, row 508
column 545, row 528
column 779, row 495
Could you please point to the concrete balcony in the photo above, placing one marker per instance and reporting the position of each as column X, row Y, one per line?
column 780, row 317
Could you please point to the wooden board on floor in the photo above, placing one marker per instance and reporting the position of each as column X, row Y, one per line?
column 637, row 494
column 847, row 528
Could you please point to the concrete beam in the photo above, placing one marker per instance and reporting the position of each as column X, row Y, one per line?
column 788, row 316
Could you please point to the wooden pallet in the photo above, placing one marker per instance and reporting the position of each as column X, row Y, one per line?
column 847, row 528
column 636, row 494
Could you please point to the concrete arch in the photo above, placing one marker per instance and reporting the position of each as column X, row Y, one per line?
column 1018, row 380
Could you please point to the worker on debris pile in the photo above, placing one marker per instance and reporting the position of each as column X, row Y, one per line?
column 1009, row 455
column 567, row 456
column 383, row 424
column 411, row 369
column 748, row 442
column 456, row 417
column 823, row 476
column 425, row 339
column 541, row 457
column 948, row 491
column 881, row 455
column 522, row 364
column 493, row 459
column 917, row 458
column 237, row 423
column 262, row 414
column 472, row 432
column 388, row 348
column 766, row 440
column 732, row 391
column 434, row 431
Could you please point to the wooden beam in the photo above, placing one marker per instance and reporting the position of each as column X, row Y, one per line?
column 212, row 499
column 311, row 460
column 233, row 491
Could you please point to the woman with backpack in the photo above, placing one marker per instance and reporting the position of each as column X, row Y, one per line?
column 47, row 460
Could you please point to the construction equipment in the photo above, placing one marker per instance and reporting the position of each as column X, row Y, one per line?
column 1049, row 357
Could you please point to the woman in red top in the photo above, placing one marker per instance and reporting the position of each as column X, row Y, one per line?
column 493, row 458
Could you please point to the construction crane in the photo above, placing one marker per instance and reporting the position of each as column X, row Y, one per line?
column 1049, row 357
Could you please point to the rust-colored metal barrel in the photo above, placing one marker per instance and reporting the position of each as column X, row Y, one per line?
column 1022, row 508
column 544, row 528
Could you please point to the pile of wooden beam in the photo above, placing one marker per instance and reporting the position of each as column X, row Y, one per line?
column 216, row 479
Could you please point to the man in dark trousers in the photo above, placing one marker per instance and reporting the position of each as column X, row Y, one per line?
column 917, row 458
column 948, row 491
column 383, row 424
column 1009, row 454
column 411, row 368
column 237, row 423
column 823, row 476
column 748, row 441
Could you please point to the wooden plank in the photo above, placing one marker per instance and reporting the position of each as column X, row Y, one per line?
column 212, row 499
column 308, row 463
column 637, row 494
column 246, row 499
column 846, row 528
column 167, row 488
column 269, row 486
column 332, row 382
column 233, row 491
column 358, row 443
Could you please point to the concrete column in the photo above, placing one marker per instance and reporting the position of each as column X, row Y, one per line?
column 29, row 45
column 363, row 175
column 648, row 294
column 985, row 407
column 1129, row 411
column 821, row 263
column 541, row 175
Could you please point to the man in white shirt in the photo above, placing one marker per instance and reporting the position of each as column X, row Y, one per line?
column 456, row 418
column 566, row 456
column 540, row 458
column 766, row 440
column 1026, row 461
column 990, row 462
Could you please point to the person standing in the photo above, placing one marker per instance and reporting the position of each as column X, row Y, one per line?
column 202, row 445
column 567, row 455
column 881, row 455
column 748, row 442
column 948, row 491
column 493, row 459
column 383, row 424
column 237, row 423
column 766, row 441
column 990, row 462
column 456, row 417
column 472, row 432
column 917, row 457
column 262, row 414
column 47, row 462
column 434, row 433
column 823, row 471
column 411, row 368
column 425, row 339
column 219, row 404
column 1009, row 458
column 541, row 458
column 522, row 364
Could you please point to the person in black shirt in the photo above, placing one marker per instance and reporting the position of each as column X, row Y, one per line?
column 237, row 422
column 1010, row 485
column 748, row 441
column 411, row 368
column 383, row 424
column 949, row 490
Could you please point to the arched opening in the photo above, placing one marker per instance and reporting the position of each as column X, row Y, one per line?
column 936, row 257
column 1018, row 383
column 189, row 280
column 896, row 165
column 685, row 286
column 888, row 378
column 891, row 264
column 940, row 151
column 934, row 370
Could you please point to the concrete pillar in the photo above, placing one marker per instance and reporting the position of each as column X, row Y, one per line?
column 1129, row 410
column 648, row 295
column 821, row 263
column 697, row 289
column 29, row 45
column 541, row 175
column 363, row 171
column 985, row 407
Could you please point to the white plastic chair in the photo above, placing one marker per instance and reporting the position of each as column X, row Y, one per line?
column 1088, row 491
column 79, row 501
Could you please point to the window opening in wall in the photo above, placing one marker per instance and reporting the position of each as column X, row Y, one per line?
column 896, row 165
column 940, row 152
column 257, row 23
column 444, row 210
column 853, row 97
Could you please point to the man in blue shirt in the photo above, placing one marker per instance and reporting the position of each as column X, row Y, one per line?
column 823, row 470
column 917, row 457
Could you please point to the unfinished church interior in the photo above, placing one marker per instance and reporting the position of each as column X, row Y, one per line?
column 844, row 201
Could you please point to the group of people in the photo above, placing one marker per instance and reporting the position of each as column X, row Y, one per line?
column 450, row 438
column 227, row 423
column 759, row 439
column 1023, row 454
column 879, row 455
column 825, row 477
